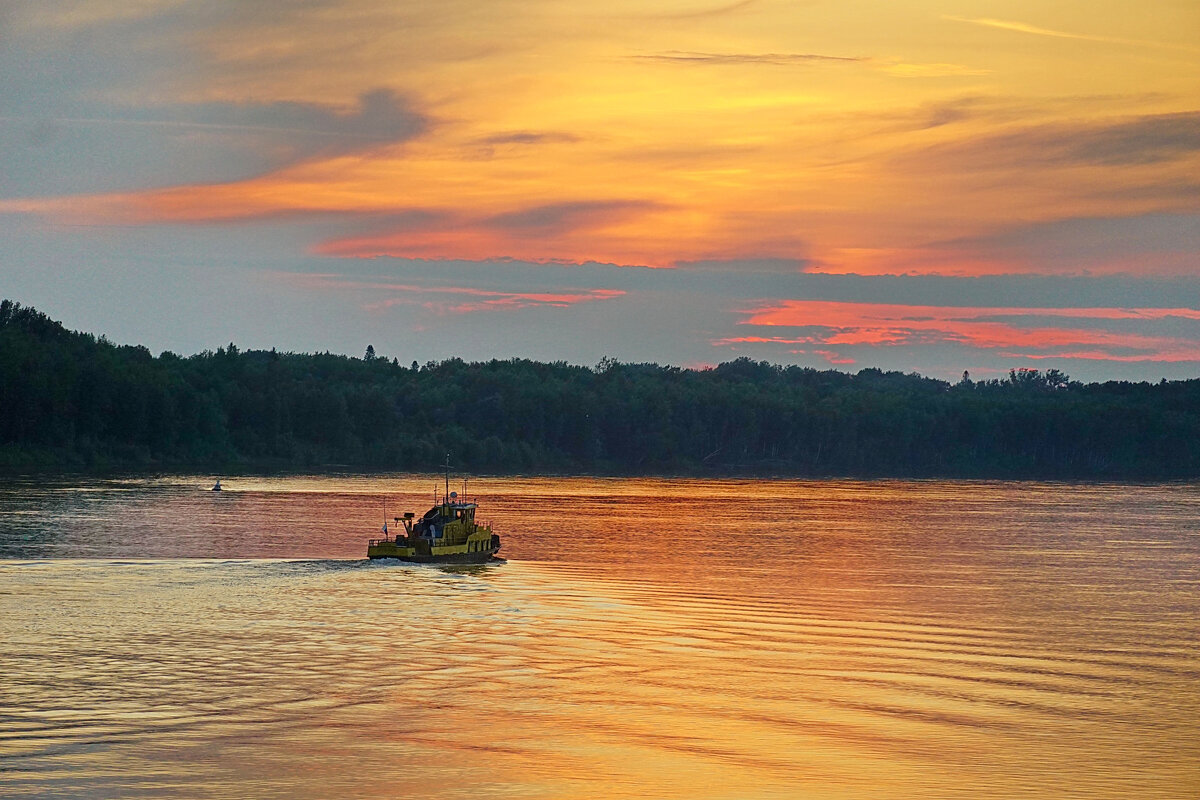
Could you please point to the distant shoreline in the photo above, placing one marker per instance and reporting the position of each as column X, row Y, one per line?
column 231, row 474
column 74, row 403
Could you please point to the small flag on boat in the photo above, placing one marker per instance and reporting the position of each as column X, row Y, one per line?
column 385, row 526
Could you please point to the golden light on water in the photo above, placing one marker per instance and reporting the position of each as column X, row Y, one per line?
column 646, row 638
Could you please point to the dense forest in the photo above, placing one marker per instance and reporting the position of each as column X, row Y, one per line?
column 71, row 401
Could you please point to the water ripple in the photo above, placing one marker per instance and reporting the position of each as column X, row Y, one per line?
column 936, row 640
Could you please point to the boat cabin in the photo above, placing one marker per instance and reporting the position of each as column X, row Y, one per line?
column 437, row 520
column 447, row 533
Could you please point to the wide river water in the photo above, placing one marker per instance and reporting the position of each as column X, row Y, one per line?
column 645, row 639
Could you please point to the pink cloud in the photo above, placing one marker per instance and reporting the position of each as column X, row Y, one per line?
column 834, row 358
column 990, row 328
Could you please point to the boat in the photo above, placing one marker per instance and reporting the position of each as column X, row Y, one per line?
column 447, row 533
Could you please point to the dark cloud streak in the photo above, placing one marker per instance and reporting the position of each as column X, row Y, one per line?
column 1083, row 242
column 1133, row 141
column 558, row 217
column 164, row 145
column 530, row 137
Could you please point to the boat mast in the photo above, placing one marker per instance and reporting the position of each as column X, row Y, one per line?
column 446, row 496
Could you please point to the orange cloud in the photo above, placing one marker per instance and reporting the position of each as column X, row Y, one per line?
column 1000, row 328
column 683, row 134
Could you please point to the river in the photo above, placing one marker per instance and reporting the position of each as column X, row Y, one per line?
column 646, row 638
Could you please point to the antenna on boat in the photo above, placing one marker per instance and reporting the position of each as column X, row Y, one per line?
column 446, row 497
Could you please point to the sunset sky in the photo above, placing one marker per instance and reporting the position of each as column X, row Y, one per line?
column 919, row 185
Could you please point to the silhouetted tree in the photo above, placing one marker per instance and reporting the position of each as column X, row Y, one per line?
column 72, row 400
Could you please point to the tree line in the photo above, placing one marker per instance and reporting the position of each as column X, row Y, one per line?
column 70, row 400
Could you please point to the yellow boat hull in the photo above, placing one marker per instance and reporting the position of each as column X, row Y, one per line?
column 425, row 553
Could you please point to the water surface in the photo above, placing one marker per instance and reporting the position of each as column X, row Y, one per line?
column 647, row 638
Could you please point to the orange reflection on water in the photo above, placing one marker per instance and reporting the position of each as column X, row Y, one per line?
column 706, row 639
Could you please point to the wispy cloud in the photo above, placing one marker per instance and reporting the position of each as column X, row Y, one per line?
column 72, row 14
column 1141, row 140
column 895, row 67
column 772, row 59
column 1022, row 27
column 834, row 358
column 559, row 217
column 529, row 138
column 703, row 12
column 550, row 232
column 1011, row 332
column 443, row 299
column 1162, row 243
column 1035, row 30
column 166, row 144
column 932, row 70
column 1145, row 139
